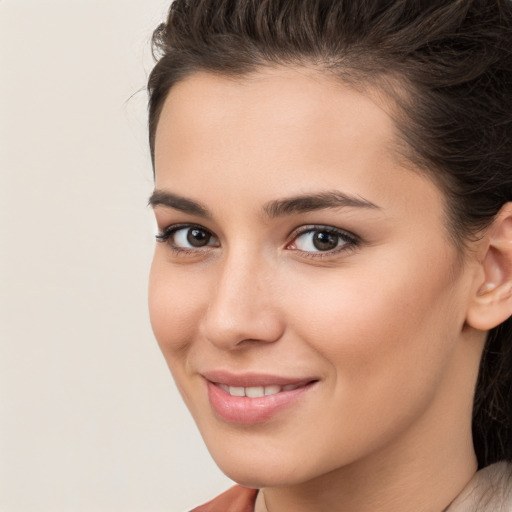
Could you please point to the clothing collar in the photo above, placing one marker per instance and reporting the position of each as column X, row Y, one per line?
column 490, row 490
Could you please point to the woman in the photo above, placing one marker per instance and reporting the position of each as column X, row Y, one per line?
column 333, row 190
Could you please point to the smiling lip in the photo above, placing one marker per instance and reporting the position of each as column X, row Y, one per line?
column 252, row 398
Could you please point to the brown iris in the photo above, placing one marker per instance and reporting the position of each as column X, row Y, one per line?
column 325, row 241
column 198, row 237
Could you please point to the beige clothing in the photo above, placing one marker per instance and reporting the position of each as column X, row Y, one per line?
column 490, row 490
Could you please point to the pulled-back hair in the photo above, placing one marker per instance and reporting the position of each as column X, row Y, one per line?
column 447, row 67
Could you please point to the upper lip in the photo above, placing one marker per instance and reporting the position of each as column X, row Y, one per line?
column 253, row 379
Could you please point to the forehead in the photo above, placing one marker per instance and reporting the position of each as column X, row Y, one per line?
column 272, row 110
column 280, row 132
column 284, row 105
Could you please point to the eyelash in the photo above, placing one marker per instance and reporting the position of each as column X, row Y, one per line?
column 166, row 235
column 349, row 240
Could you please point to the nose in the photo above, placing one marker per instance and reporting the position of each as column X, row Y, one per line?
column 243, row 307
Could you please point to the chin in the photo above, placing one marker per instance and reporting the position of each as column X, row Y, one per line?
column 258, row 468
column 258, row 476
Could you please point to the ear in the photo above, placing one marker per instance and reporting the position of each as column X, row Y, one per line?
column 491, row 303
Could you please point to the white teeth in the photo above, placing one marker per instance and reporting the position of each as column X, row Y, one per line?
column 255, row 392
column 272, row 390
column 235, row 391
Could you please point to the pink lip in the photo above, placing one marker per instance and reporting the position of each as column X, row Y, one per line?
column 248, row 411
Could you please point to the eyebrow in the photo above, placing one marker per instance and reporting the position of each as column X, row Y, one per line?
column 170, row 200
column 277, row 208
column 311, row 202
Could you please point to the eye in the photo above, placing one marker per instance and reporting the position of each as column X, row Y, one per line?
column 322, row 239
column 191, row 237
column 187, row 237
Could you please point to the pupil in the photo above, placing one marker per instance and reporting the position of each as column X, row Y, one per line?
column 324, row 241
column 197, row 237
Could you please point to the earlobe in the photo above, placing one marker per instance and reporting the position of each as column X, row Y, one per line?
column 492, row 302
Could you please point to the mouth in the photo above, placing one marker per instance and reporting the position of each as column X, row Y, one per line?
column 251, row 398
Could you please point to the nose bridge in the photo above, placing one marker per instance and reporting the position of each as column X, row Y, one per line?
column 241, row 306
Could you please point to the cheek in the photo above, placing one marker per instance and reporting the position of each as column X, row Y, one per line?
column 379, row 325
column 176, row 302
column 386, row 347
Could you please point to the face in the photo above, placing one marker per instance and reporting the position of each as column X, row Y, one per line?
column 304, row 290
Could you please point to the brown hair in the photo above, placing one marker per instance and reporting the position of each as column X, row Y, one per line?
column 453, row 60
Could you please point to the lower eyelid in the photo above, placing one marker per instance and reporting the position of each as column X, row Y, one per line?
column 342, row 250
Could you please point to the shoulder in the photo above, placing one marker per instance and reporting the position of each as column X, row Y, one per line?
column 236, row 499
column 490, row 490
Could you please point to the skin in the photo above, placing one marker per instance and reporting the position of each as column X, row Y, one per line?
column 382, row 323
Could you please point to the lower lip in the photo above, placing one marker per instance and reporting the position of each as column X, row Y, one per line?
column 249, row 411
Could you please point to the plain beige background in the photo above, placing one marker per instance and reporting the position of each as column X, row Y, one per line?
column 89, row 418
